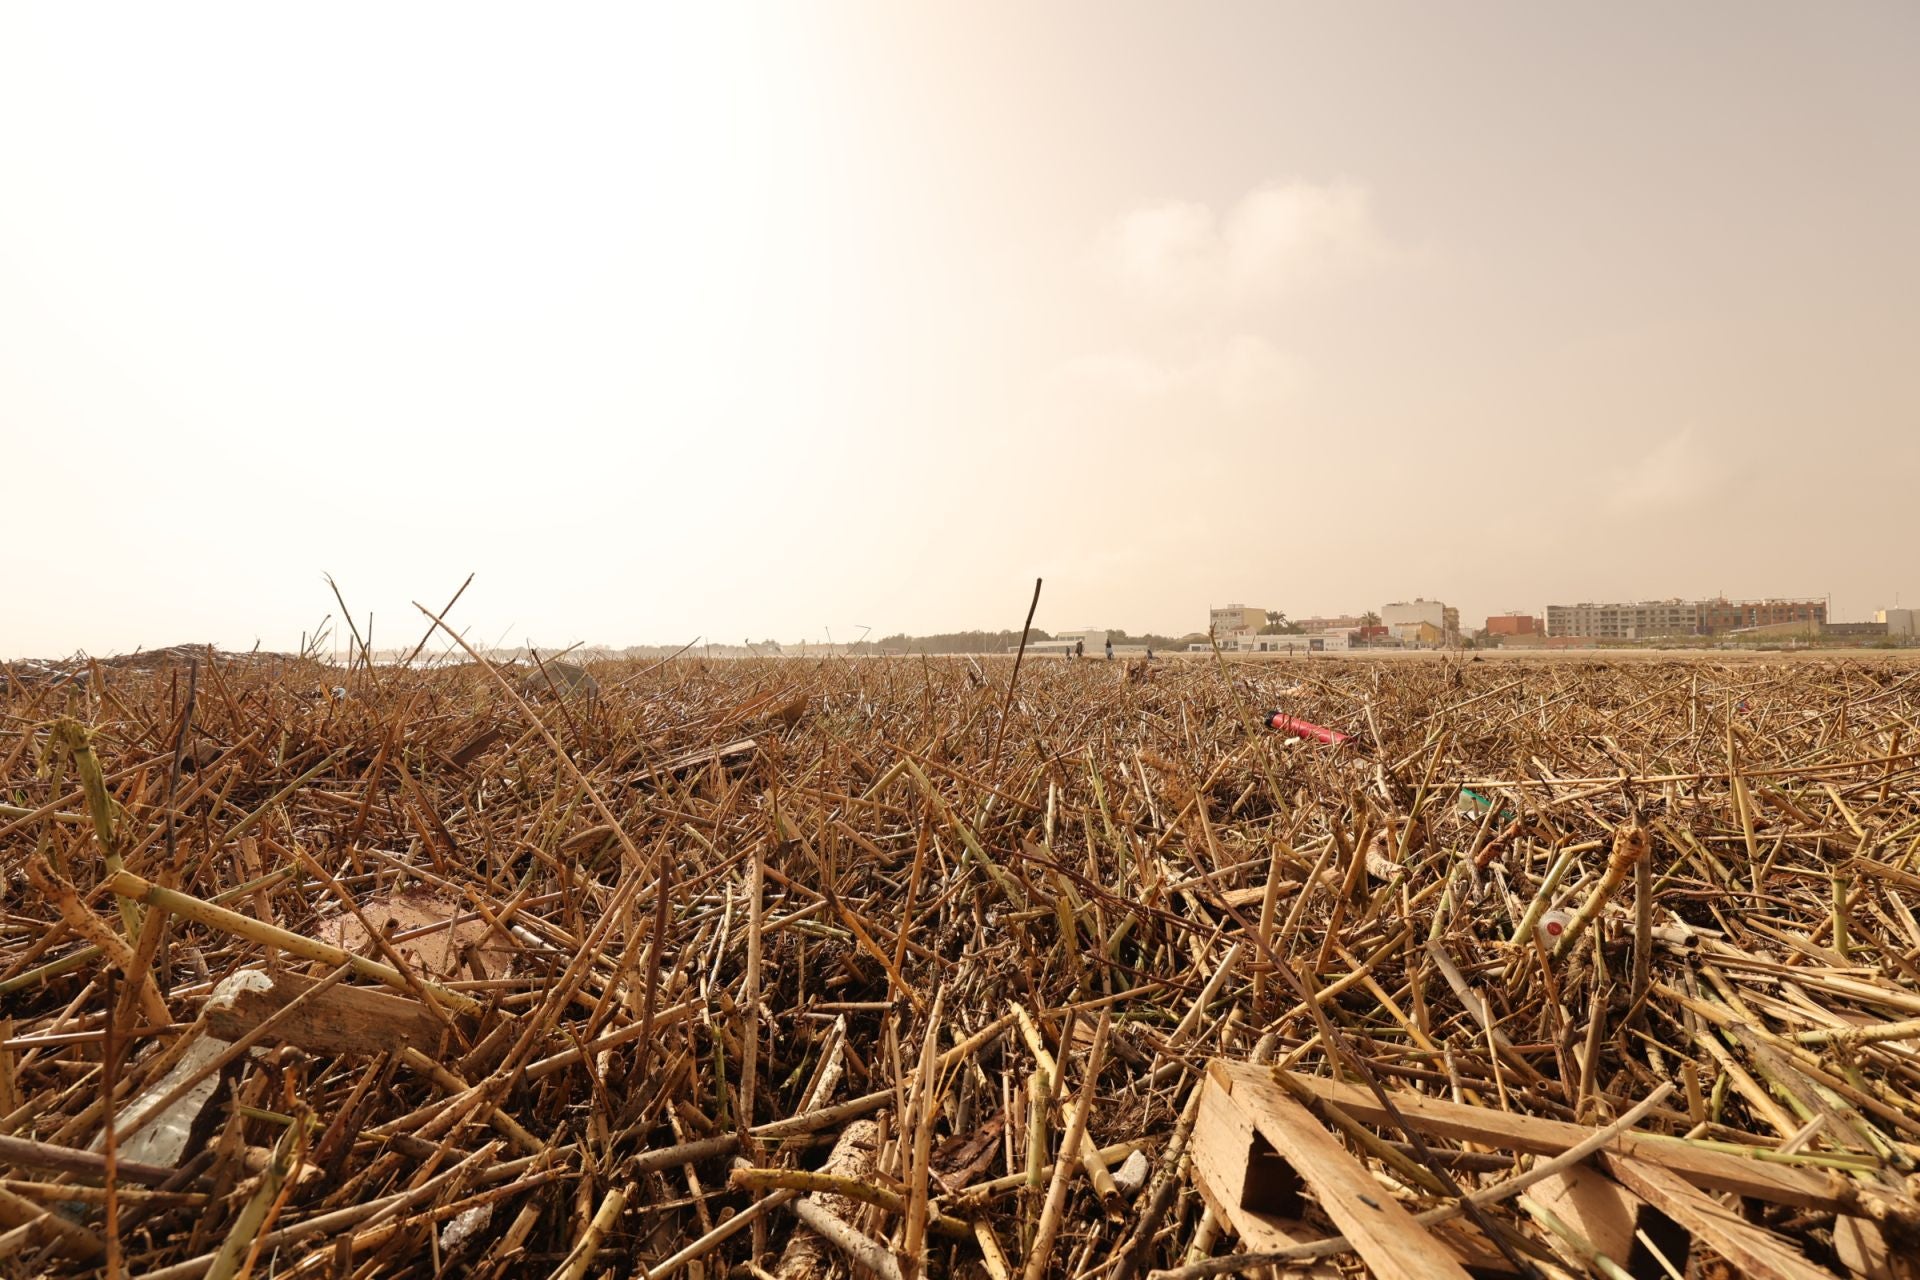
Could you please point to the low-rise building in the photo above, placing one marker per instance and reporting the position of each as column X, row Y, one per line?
column 1422, row 635
column 1317, row 642
column 1721, row 614
column 1514, row 624
column 1900, row 623
column 1094, row 638
column 1851, row 630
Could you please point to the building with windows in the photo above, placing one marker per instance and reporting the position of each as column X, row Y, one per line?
column 1235, row 620
column 1339, row 622
column 1402, row 616
column 1317, row 642
column 1721, row 614
column 1095, row 638
column 1650, row 619
column 1638, row 621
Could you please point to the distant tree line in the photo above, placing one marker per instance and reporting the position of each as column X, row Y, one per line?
column 1006, row 641
column 1151, row 640
column 959, row 642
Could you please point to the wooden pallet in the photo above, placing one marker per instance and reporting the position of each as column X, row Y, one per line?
column 1260, row 1155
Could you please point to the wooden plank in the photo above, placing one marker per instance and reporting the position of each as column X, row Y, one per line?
column 1224, row 1154
column 339, row 1020
column 1383, row 1233
column 470, row 750
column 1221, row 1153
column 1863, row 1249
column 1254, row 897
column 1594, row 1205
column 1610, row 1216
column 738, row 749
column 1754, row 1252
column 1457, row 1122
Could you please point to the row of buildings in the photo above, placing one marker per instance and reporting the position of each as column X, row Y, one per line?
column 1433, row 624
column 1646, row 619
column 1416, row 623
column 1775, row 617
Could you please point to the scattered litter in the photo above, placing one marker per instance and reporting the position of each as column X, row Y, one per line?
column 1305, row 728
column 1132, row 1173
column 464, row 1226
column 163, row 1139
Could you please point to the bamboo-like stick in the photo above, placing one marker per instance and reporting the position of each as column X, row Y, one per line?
column 1042, row 1251
column 1630, row 845
column 581, row 1257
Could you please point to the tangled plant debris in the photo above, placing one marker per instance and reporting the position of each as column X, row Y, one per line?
column 890, row 967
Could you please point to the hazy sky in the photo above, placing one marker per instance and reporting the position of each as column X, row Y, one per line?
column 726, row 322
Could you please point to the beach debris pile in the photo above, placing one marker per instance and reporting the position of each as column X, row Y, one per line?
column 883, row 967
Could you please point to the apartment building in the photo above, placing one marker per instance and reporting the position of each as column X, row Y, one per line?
column 1636, row 621
column 1649, row 619
column 1235, row 620
column 1408, row 614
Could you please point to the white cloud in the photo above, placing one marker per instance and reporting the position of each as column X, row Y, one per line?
column 1164, row 249
column 1274, row 239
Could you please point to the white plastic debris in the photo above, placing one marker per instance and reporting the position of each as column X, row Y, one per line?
column 1132, row 1173
column 465, row 1226
column 163, row 1140
column 1552, row 925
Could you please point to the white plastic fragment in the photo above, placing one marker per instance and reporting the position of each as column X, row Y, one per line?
column 464, row 1226
column 1132, row 1173
column 1552, row 925
column 163, row 1141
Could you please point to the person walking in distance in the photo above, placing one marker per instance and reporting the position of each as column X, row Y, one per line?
column 1080, row 648
column 1109, row 648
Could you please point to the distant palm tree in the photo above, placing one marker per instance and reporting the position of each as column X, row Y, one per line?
column 1276, row 618
column 1369, row 619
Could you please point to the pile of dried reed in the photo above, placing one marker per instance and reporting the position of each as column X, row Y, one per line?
column 797, row 967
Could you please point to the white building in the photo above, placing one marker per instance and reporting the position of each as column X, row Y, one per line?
column 1095, row 638
column 1444, row 618
column 1316, row 642
column 1902, row 624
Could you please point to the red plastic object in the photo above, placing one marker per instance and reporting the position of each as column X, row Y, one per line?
column 1305, row 728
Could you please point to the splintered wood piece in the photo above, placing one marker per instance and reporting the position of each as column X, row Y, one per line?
column 1863, row 1249
column 682, row 764
column 1381, row 1230
column 1756, row 1253
column 1457, row 1122
column 337, row 1020
column 472, row 749
column 1258, row 1196
column 1611, row 1218
column 806, row 1256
